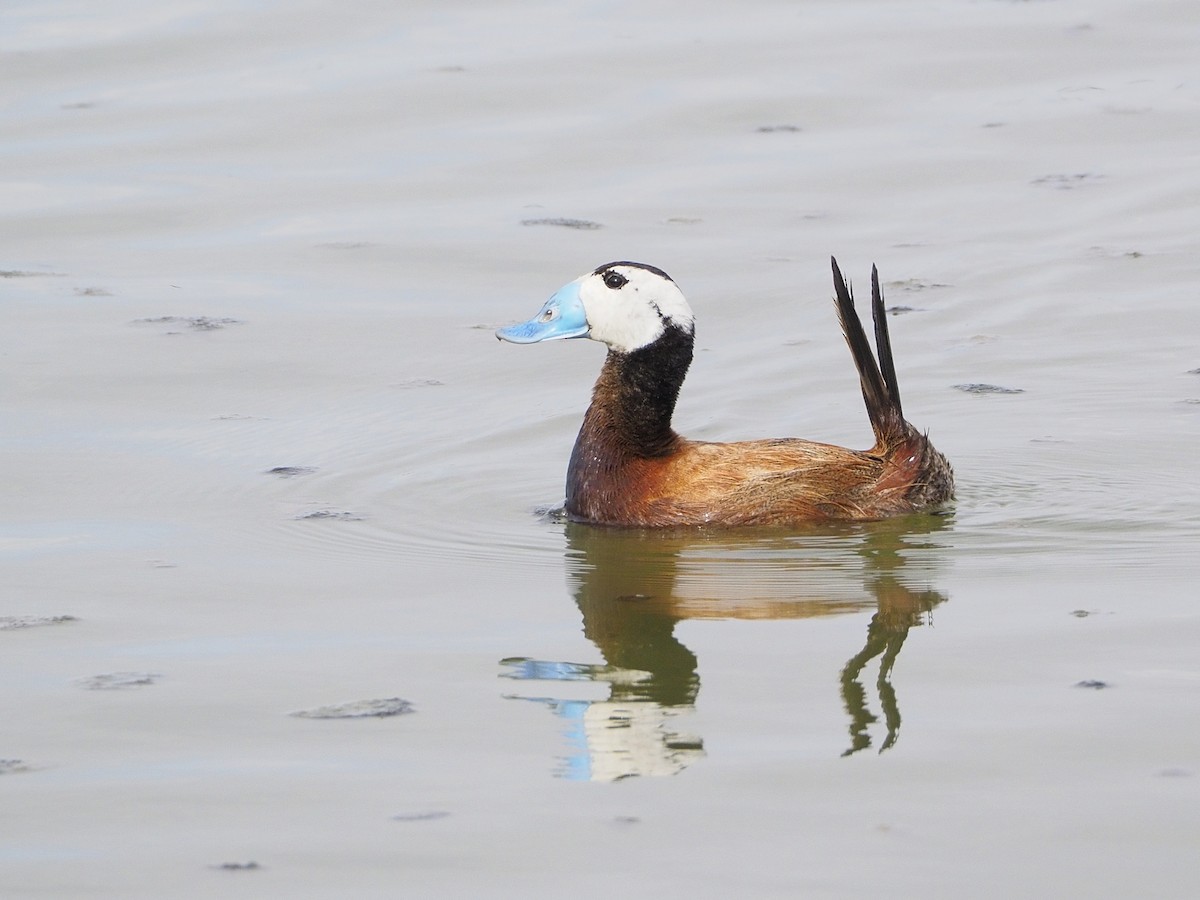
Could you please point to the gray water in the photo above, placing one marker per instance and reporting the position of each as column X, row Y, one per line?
column 243, row 237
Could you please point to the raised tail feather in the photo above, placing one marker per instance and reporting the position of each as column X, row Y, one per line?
column 880, row 390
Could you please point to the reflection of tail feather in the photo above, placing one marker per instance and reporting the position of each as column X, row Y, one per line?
column 887, row 693
column 899, row 610
column 879, row 641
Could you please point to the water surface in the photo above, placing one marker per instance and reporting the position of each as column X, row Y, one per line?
column 261, row 446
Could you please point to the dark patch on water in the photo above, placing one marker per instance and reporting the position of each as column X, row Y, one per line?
column 92, row 292
column 359, row 709
column 980, row 388
column 1082, row 613
column 1093, row 684
column 419, row 383
column 340, row 515
column 577, row 224
column 20, row 273
column 1067, row 181
column 914, row 285
column 291, row 471
column 192, row 323
column 250, row 866
column 901, row 310
column 778, row 129
column 10, row 766
column 1106, row 253
column 118, row 681
column 431, row 816
column 10, row 623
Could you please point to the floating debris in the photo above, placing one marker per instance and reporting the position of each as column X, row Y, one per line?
column 915, row 284
column 92, row 292
column 419, row 383
column 578, row 224
column 118, row 681
column 9, row 623
column 340, row 515
column 9, row 766
column 1067, row 182
column 1108, row 253
column 195, row 323
column 901, row 310
column 1092, row 684
column 1082, row 613
column 978, row 388
column 291, row 471
column 431, row 816
column 1194, row 371
column 20, row 273
column 250, row 866
column 359, row 709
column 777, row 129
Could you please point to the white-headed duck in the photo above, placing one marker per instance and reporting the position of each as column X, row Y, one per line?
column 629, row 468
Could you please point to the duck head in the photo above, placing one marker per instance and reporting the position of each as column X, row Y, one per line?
column 625, row 305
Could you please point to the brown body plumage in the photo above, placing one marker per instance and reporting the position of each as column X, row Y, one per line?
column 630, row 468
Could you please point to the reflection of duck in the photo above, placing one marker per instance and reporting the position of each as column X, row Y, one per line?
column 630, row 468
column 633, row 587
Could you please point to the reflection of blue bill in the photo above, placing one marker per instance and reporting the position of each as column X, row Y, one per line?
column 546, row 670
column 524, row 669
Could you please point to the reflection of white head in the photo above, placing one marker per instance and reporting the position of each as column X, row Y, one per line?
column 630, row 305
column 625, row 739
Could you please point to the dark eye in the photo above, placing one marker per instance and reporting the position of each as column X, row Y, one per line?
column 614, row 280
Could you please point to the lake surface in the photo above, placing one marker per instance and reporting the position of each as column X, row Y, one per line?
column 263, row 455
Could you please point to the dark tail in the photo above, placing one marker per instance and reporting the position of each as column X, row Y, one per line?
column 880, row 390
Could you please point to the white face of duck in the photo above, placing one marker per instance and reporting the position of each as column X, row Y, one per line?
column 624, row 305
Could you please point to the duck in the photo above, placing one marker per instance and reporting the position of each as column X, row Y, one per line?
column 629, row 468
